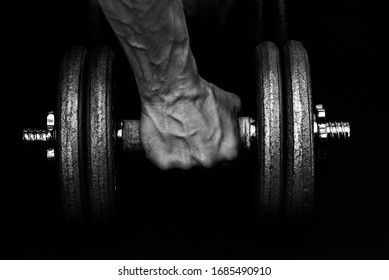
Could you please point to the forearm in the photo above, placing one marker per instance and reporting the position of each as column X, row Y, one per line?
column 185, row 121
column 154, row 36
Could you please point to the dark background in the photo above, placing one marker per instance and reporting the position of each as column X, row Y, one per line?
column 201, row 214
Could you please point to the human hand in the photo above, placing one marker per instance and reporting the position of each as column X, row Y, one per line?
column 199, row 127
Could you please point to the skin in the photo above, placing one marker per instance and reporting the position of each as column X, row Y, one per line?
column 185, row 120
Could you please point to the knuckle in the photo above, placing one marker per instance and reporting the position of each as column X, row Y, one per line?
column 207, row 162
column 230, row 149
column 162, row 163
column 182, row 162
column 231, row 154
column 203, row 158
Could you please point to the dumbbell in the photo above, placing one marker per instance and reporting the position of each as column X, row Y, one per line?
column 83, row 135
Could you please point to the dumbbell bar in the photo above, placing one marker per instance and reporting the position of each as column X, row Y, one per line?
column 132, row 143
column 285, row 186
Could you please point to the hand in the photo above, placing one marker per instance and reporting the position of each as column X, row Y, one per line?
column 198, row 128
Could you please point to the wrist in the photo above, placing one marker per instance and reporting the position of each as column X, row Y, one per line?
column 182, row 86
column 192, row 94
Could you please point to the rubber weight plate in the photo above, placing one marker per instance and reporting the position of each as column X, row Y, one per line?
column 269, row 131
column 70, row 150
column 100, row 136
column 299, row 188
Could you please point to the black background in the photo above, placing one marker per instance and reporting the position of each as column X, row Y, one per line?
column 201, row 214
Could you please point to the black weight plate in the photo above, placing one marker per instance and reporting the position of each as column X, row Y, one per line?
column 70, row 150
column 269, row 131
column 300, row 171
column 100, row 136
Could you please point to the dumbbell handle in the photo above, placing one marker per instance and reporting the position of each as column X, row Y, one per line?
column 129, row 133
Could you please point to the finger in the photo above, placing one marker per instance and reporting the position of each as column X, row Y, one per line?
column 237, row 104
column 234, row 103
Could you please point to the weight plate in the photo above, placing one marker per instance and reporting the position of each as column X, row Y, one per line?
column 100, row 136
column 269, row 131
column 70, row 150
column 299, row 134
